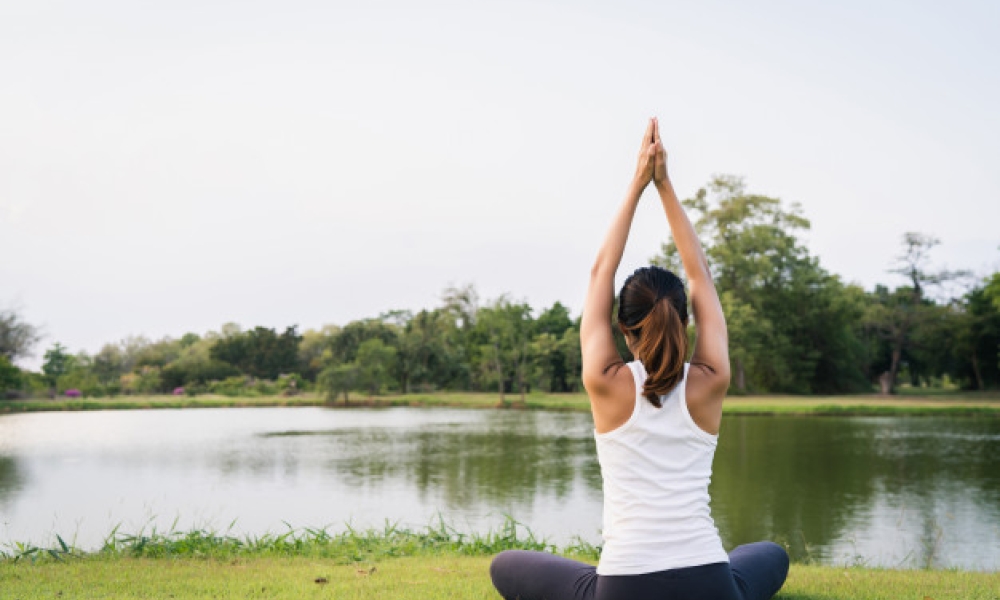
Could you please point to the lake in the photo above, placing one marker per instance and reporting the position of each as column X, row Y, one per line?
column 884, row 491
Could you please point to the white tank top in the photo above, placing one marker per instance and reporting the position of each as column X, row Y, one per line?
column 656, row 469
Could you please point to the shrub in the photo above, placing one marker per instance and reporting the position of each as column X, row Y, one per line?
column 290, row 384
column 230, row 386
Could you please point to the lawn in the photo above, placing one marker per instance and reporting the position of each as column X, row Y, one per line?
column 416, row 578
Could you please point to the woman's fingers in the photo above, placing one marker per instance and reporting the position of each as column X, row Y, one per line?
column 648, row 137
column 656, row 130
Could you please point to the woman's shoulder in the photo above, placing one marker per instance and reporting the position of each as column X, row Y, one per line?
column 614, row 407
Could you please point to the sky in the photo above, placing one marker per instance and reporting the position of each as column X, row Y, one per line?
column 169, row 167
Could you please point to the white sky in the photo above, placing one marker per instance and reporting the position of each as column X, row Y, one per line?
column 168, row 167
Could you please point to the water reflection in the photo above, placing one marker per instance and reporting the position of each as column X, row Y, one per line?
column 884, row 491
column 11, row 479
column 887, row 491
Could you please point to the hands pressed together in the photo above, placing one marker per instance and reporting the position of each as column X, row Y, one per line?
column 652, row 163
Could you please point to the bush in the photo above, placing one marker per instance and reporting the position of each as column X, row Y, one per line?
column 230, row 386
column 81, row 381
column 186, row 373
column 290, row 385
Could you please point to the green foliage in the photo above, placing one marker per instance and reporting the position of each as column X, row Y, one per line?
column 786, row 315
column 81, row 379
column 196, row 372
column 10, row 376
column 17, row 337
column 337, row 379
column 375, row 363
column 231, row 386
column 145, row 380
column 260, row 352
column 976, row 341
column 345, row 345
column 57, row 363
column 502, row 333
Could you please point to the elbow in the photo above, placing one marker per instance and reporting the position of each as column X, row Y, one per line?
column 725, row 376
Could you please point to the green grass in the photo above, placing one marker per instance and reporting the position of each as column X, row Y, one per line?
column 437, row 563
column 951, row 403
column 417, row 578
column 348, row 546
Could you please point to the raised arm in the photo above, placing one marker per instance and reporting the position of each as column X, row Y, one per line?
column 611, row 389
column 708, row 377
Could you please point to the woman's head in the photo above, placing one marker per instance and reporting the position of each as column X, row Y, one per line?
column 652, row 313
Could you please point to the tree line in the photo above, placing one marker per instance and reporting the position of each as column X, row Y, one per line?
column 793, row 327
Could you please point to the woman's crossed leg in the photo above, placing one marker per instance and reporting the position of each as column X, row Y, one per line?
column 754, row 572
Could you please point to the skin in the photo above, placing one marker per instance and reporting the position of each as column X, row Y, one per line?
column 608, row 382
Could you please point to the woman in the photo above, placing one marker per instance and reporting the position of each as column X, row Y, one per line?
column 656, row 423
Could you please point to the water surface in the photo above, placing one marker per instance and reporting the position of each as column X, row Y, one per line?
column 887, row 491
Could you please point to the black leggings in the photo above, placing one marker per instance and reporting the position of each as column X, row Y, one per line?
column 754, row 572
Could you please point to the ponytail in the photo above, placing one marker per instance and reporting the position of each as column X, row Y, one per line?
column 652, row 311
column 660, row 342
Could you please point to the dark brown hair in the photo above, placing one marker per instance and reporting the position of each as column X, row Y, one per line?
column 652, row 313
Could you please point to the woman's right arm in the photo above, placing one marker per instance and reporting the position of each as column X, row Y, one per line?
column 708, row 377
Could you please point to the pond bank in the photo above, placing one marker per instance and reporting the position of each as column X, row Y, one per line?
column 389, row 563
column 423, row 578
column 985, row 404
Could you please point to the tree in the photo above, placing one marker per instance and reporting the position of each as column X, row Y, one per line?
column 344, row 346
column 551, row 356
column 337, row 379
column 260, row 352
column 312, row 348
column 463, row 302
column 503, row 330
column 976, row 343
column 374, row 364
column 780, row 305
column 10, row 376
column 429, row 351
column 108, row 364
column 57, row 363
column 17, row 338
column 991, row 290
column 900, row 316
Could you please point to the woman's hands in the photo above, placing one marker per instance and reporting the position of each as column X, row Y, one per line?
column 660, row 159
column 646, row 163
column 652, row 162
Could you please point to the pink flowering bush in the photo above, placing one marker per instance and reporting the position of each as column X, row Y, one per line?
column 73, row 393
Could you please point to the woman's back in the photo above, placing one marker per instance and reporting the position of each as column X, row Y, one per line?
column 656, row 468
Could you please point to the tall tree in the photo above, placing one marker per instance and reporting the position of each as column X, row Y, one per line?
column 779, row 303
column 976, row 343
column 504, row 330
column 907, row 313
column 58, row 362
column 375, row 363
column 260, row 352
column 429, row 351
column 10, row 376
column 17, row 337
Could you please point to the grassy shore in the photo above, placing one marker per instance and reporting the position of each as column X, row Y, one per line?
column 399, row 564
column 416, row 578
column 956, row 403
